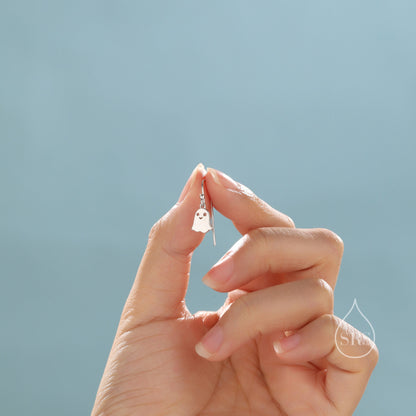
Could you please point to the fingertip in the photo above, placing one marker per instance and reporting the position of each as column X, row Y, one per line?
column 199, row 171
column 219, row 275
column 201, row 351
column 211, row 343
column 201, row 168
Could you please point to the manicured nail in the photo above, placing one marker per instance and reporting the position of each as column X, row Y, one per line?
column 190, row 182
column 286, row 344
column 223, row 179
column 210, row 343
column 220, row 272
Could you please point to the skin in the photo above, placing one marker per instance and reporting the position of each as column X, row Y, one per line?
column 270, row 350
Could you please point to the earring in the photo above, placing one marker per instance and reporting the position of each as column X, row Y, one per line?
column 203, row 222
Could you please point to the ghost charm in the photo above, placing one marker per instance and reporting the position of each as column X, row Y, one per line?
column 202, row 222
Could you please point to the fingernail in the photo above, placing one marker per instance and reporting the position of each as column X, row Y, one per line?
column 223, row 179
column 210, row 343
column 286, row 344
column 220, row 272
column 190, row 182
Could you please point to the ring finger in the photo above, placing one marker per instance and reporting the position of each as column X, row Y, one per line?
column 282, row 307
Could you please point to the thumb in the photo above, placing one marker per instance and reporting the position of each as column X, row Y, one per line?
column 159, row 289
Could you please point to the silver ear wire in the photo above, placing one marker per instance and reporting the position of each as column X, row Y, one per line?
column 212, row 224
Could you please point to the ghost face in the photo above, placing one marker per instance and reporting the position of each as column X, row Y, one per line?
column 201, row 221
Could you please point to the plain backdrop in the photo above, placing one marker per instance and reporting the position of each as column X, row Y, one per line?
column 107, row 106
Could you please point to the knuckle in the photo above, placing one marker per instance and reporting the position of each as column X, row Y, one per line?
column 322, row 295
column 365, row 349
column 333, row 240
column 331, row 322
column 243, row 308
column 370, row 357
column 259, row 236
column 156, row 230
column 290, row 222
column 373, row 356
column 245, row 314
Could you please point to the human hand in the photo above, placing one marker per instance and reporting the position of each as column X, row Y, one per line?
column 279, row 281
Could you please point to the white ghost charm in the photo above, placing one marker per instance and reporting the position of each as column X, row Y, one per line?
column 201, row 221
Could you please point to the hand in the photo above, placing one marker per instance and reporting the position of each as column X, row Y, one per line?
column 270, row 350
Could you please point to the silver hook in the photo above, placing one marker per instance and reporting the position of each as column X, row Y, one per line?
column 202, row 196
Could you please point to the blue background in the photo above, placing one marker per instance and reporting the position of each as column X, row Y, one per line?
column 106, row 107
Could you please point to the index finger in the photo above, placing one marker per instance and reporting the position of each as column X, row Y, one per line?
column 239, row 204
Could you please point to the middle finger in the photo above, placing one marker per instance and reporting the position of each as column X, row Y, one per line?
column 273, row 255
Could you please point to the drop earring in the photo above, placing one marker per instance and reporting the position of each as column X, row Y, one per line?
column 203, row 222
